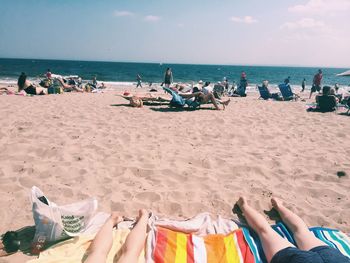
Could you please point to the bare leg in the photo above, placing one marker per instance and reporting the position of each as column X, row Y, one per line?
column 304, row 238
column 103, row 241
column 310, row 94
column 191, row 95
column 135, row 241
column 270, row 240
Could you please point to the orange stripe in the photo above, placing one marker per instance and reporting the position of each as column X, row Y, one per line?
column 190, row 250
column 170, row 251
column 159, row 250
column 215, row 247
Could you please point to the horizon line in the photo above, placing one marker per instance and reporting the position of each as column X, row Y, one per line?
column 182, row 63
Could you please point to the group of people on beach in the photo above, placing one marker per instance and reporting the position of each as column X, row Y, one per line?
column 55, row 84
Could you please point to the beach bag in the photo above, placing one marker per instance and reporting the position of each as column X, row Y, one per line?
column 54, row 223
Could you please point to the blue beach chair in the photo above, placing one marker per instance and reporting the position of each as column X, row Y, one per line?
column 264, row 93
column 287, row 92
column 179, row 102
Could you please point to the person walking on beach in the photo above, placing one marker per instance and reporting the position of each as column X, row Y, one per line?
column 316, row 83
column 303, row 83
column 279, row 250
column 139, row 81
column 168, row 77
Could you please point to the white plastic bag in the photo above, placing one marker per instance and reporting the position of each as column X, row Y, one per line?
column 54, row 223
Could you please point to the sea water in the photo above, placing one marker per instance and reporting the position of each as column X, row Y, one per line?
column 125, row 73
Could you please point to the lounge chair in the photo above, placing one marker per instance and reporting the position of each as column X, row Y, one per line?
column 149, row 100
column 179, row 102
column 287, row 92
column 264, row 93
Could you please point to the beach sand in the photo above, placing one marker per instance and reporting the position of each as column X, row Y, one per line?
column 177, row 164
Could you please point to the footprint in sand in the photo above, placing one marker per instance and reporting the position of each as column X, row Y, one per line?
column 148, row 197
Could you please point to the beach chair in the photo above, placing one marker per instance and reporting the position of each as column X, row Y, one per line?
column 179, row 102
column 287, row 92
column 264, row 93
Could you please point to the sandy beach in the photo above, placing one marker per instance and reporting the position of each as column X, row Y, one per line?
column 177, row 164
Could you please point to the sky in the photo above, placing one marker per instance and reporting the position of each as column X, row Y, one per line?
column 233, row 32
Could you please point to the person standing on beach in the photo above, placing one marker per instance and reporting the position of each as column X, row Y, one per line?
column 139, row 81
column 168, row 77
column 241, row 90
column 316, row 83
column 303, row 83
column 287, row 80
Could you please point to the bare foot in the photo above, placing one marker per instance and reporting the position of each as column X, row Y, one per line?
column 143, row 214
column 116, row 218
column 276, row 203
column 226, row 102
column 242, row 201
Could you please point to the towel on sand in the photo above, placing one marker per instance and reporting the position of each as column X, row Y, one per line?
column 332, row 237
column 199, row 239
column 74, row 250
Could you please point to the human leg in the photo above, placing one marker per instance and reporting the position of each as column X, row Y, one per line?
column 206, row 98
column 304, row 238
column 270, row 240
column 102, row 243
column 135, row 241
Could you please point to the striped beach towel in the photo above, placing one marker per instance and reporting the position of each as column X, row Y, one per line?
column 332, row 237
column 177, row 247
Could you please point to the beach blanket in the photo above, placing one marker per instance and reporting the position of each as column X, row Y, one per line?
column 173, row 247
column 332, row 237
column 199, row 239
column 74, row 250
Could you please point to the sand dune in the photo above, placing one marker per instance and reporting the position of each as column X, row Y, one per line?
column 177, row 164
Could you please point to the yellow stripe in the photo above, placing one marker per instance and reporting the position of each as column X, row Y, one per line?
column 181, row 248
column 231, row 251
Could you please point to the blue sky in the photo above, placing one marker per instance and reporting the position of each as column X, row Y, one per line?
column 253, row 32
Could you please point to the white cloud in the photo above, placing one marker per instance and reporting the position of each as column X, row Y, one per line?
column 180, row 25
column 305, row 23
column 122, row 13
column 152, row 18
column 321, row 7
column 244, row 20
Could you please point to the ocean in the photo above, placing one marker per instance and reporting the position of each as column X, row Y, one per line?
column 125, row 73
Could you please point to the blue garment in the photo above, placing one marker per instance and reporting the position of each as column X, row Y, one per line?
column 321, row 254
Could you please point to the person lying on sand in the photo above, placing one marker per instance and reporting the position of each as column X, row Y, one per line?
column 207, row 98
column 28, row 87
column 137, row 101
column 59, row 83
column 279, row 250
column 134, row 243
column 5, row 91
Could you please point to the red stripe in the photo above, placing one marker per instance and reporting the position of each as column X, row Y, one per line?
column 245, row 250
column 161, row 242
column 190, row 250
